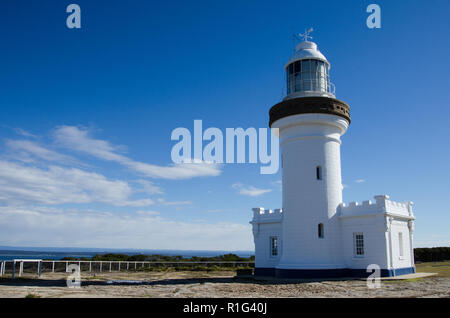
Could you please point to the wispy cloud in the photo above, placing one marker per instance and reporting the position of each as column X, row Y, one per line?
column 79, row 139
column 360, row 180
column 29, row 151
column 278, row 184
column 161, row 201
column 249, row 190
column 216, row 210
column 24, row 133
column 20, row 184
column 149, row 187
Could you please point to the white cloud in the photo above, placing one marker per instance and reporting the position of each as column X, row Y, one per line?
column 24, row 133
column 20, row 183
column 249, row 190
column 41, row 226
column 216, row 210
column 147, row 213
column 149, row 187
column 360, row 180
column 164, row 202
column 78, row 139
column 27, row 151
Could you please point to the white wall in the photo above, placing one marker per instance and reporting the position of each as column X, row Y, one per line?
column 401, row 226
column 373, row 229
column 266, row 223
column 308, row 141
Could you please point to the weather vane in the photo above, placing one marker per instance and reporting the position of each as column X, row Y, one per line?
column 306, row 35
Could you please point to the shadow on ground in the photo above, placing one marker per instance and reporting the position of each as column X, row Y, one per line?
column 24, row 282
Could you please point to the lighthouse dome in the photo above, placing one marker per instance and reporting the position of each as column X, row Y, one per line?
column 307, row 50
column 307, row 73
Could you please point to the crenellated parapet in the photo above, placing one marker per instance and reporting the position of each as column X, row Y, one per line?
column 382, row 205
column 260, row 215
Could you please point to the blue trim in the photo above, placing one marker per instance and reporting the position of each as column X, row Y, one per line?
column 328, row 273
column 402, row 271
column 311, row 273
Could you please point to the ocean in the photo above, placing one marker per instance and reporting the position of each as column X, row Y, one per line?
column 10, row 253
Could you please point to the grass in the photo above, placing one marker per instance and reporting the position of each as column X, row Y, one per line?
column 32, row 296
column 441, row 268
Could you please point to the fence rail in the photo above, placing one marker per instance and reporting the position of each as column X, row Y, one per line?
column 107, row 266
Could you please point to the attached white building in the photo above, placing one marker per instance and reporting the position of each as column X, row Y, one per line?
column 316, row 234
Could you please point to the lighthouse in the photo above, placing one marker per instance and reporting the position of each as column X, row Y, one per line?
column 315, row 234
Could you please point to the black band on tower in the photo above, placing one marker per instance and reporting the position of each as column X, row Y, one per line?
column 309, row 105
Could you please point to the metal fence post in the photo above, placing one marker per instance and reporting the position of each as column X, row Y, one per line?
column 39, row 269
column 20, row 269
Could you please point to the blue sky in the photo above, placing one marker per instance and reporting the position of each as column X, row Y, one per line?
column 86, row 115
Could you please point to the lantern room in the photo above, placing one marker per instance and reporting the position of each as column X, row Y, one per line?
column 307, row 73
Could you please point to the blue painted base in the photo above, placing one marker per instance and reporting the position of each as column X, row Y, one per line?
column 259, row 271
column 328, row 273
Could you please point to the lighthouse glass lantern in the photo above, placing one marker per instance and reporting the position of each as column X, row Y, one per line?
column 307, row 72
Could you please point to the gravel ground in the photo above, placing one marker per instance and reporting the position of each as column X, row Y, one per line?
column 215, row 284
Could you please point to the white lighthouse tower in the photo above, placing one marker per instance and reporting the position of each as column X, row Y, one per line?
column 315, row 235
column 311, row 122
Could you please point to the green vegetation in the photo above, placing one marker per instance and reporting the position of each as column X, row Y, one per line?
column 434, row 254
column 174, row 263
column 441, row 268
column 161, row 258
column 32, row 296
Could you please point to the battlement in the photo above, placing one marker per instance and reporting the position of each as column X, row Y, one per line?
column 382, row 204
column 260, row 215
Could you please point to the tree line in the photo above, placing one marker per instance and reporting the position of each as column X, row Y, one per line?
column 431, row 254
column 422, row 254
column 161, row 258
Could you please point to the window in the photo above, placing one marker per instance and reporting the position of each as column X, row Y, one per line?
column 400, row 244
column 273, row 246
column 358, row 240
column 313, row 66
column 297, row 67
column 306, row 66
column 320, row 230
column 319, row 173
column 308, row 75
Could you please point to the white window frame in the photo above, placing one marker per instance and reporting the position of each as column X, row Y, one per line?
column 271, row 247
column 401, row 251
column 357, row 248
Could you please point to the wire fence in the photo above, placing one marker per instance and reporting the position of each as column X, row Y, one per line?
column 19, row 267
